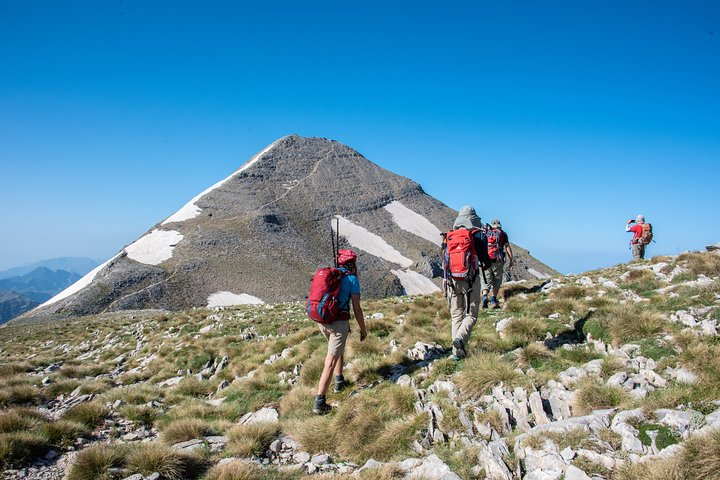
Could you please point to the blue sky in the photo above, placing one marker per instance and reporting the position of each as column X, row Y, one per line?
column 562, row 118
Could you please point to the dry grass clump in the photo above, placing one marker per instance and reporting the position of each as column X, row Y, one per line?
column 20, row 418
column 570, row 291
column 254, row 439
column 134, row 394
column 63, row 432
column 633, row 323
column 385, row 472
column 297, row 403
column 483, row 371
column 185, row 429
column 704, row 360
column 192, row 387
column 527, row 328
column 594, row 396
column 18, row 448
column 10, row 369
column 239, row 470
column 312, row 368
column 19, row 395
column 362, row 427
column 534, row 354
column 169, row 463
column 556, row 305
column 90, row 414
column 699, row 457
column 701, row 263
column 398, row 399
column 95, row 462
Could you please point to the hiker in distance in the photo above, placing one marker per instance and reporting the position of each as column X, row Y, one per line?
column 642, row 236
column 466, row 255
column 498, row 249
column 337, row 332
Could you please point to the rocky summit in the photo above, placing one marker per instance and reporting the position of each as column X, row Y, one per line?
column 258, row 236
column 611, row 374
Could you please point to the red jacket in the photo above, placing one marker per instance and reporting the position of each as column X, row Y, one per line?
column 637, row 232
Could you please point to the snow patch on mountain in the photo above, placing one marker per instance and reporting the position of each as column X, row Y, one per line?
column 537, row 274
column 228, row 299
column 190, row 210
column 413, row 222
column 415, row 283
column 366, row 241
column 79, row 285
column 155, row 247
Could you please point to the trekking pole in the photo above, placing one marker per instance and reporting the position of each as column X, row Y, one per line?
column 332, row 244
column 337, row 240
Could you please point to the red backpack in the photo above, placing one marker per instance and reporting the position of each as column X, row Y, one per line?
column 322, row 303
column 461, row 262
column 495, row 243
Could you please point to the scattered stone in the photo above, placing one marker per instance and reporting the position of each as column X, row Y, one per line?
column 264, row 415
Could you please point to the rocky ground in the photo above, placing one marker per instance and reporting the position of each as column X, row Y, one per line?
column 584, row 376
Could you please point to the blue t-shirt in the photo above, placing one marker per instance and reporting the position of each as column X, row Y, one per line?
column 349, row 284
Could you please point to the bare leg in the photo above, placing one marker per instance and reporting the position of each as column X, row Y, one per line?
column 339, row 366
column 330, row 365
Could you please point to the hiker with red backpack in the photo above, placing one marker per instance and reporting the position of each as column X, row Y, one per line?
column 498, row 249
column 332, row 291
column 642, row 236
column 465, row 256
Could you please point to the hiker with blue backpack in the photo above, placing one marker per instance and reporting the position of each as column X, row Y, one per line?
column 498, row 250
column 332, row 292
column 465, row 258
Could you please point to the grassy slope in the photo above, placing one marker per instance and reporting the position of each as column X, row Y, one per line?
column 381, row 417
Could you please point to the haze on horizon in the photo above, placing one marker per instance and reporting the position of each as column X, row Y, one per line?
column 563, row 120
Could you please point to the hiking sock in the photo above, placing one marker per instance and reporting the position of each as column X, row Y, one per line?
column 319, row 399
column 484, row 301
column 339, row 383
column 493, row 300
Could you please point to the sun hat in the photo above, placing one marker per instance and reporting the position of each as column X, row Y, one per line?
column 467, row 218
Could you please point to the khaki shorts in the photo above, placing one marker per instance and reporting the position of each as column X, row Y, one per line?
column 336, row 334
column 495, row 274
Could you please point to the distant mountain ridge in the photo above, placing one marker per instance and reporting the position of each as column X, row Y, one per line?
column 13, row 304
column 258, row 236
column 40, row 284
column 78, row 265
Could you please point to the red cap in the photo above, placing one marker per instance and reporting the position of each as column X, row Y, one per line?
column 346, row 256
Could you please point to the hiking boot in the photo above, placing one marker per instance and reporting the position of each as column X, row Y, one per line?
column 339, row 386
column 494, row 304
column 320, row 407
column 459, row 347
column 454, row 358
column 484, row 301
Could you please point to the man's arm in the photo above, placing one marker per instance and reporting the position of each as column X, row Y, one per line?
column 508, row 250
column 627, row 225
column 357, row 309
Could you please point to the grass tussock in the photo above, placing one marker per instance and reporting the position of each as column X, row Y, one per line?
column 63, row 433
column 89, row 414
column 239, row 470
column 377, row 431
column 574, row 292
column 97, row 462
column 18, row 448
column 594, row 396
column 169, row 463
column 254, row 439
column 701, row 263
column 185, row 429
column 527, row 328
column 297, row 403
column 483, row 371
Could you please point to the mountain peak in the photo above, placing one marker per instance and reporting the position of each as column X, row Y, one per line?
column 260, row 233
